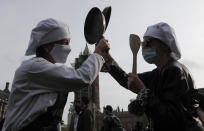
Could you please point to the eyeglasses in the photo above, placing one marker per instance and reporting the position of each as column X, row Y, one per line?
column 148, row 42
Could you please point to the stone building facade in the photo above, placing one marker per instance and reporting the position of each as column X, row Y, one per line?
column 91, row 92
column 4, row 95
column 129, row 121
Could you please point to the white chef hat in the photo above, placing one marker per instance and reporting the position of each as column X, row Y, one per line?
column 166, row 34
column 47, row 31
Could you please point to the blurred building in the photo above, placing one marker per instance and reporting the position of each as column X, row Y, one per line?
column 128, row 120
column 4, row 95
column 91, row 92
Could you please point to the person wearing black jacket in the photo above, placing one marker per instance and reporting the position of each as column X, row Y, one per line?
column 110, row 121
column 167, row 93
column 85, row 122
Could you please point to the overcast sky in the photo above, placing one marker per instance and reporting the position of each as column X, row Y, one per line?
column 18, row 17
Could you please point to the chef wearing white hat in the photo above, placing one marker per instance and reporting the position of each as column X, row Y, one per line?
column 40, row 87
column 165, row 33
column 165, row 94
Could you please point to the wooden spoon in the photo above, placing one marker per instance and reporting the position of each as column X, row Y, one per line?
column 134, row 46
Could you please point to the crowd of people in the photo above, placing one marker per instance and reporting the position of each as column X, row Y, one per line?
column 41, row 84
column 82, row 119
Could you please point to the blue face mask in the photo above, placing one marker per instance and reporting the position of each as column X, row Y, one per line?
column 150, row 55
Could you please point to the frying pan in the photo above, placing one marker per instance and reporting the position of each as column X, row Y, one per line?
column 96, row 23
column 107, row 13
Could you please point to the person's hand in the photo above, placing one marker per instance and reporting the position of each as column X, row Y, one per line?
column 134, row 83
column 102, row 49
column 108, row 62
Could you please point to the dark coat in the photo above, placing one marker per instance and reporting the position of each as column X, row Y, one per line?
column 167, row 99
column 112, row 123
column 85, row 122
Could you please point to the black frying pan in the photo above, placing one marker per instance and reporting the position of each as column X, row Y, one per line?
column 95, row 24
column 107, row 14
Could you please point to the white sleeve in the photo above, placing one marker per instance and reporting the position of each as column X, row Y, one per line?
column 62, row 78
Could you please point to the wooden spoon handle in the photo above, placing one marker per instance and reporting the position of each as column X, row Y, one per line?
column 134, row 66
